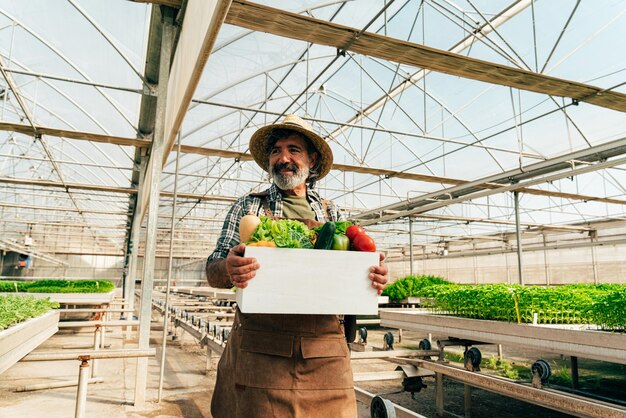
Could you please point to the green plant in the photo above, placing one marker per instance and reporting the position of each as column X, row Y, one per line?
column 13, row 286
column 413, row 286
column 15, row 309
column 609, row 311
column 58, row 286
column 561, row 374
column 506, row 369
column 492, row 362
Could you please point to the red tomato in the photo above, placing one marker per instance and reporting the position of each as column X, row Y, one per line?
column 364, row 242
column 353, row 230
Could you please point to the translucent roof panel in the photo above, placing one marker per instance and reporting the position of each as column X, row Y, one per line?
column 402, row 134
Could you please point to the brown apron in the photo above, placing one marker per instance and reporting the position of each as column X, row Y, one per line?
column 277, row 365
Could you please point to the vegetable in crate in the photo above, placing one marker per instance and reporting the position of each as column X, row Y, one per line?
column 364, row 242
column 325, row 236
column 284, row 233
column 353, row 230
column 247, row 226
column 340, row 242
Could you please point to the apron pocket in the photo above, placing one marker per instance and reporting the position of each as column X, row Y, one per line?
column 325, row 364
column 267, row 343
column 323, row 347
column 265, row 360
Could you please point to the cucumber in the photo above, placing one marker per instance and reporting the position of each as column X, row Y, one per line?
column 325, row 237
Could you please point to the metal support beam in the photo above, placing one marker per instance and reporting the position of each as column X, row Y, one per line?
column 411, row 244
column 518, row 239
column 586, row 160
column 291, row 25
column 574, row 368
column 151, row 188
column 555, row 400
column 591, row 344
column 132, row 248
column 545, row 260
column 593, row 236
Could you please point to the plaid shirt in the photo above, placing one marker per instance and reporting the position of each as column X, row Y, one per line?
column 252, row 204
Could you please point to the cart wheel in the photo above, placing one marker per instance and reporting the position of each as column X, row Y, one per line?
column 382, row 408
column 542, row 369
column 388, row 338
column 363, row 334
column 472, row 358
column 424, row 344
column 349, row 327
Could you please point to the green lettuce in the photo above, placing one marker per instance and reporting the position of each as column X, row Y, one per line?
column 340, row 227
column 285, row 233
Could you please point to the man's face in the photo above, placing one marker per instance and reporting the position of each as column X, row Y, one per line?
column 290, row 162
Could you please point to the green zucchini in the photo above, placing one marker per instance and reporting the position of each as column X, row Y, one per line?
column 325, row 237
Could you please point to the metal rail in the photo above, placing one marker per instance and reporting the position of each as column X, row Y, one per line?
column 598, row 345
column 551, row 399
column 84, row 356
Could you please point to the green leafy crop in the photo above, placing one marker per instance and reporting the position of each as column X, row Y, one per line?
column 15, row 309
column 413, row 286
column 57, row 286
column 285, row 233
column 603, row 304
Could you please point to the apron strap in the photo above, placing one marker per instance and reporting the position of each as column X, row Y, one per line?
column 267, row 209
column 325, row 204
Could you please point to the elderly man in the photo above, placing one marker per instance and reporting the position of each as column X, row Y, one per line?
column 282, row 365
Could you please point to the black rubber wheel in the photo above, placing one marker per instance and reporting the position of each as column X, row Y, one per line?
column 349, row 327
column 542, row 368
column 424, row 344
column 382, row 408
column 472, row 359
column 388, row 337
column 363, row 334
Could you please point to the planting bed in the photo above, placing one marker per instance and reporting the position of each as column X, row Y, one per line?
column 23, row 335
column 71, row 292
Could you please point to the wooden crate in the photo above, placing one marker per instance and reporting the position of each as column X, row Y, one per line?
column 299, row 281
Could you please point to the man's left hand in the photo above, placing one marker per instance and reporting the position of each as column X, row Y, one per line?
column 378, row 275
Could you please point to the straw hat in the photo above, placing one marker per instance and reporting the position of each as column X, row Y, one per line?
column 259, row 141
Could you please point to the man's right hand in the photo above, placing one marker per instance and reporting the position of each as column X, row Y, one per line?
column 240, row 269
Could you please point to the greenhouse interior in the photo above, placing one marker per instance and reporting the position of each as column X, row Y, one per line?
column 480, row 146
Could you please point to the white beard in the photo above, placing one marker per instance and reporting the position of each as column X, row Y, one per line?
column 290, row 181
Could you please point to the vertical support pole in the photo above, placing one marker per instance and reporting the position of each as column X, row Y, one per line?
column 467, row 392
column 97, row 335
column 518, row 237
column 505, row 252
column 474, row 262
column 134, row 250
column 169, row 276
column 153, row 175
column 545, row 260
column 439, row 394
column 574, row 368
column 81, row 391
column 411, row 245
column 209, row 360
column 500, row 356
column 593, row 235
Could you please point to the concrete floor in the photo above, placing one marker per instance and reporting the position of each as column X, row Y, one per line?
column 186, row 388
